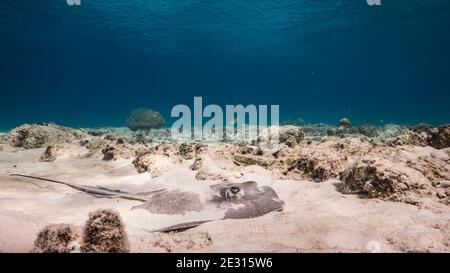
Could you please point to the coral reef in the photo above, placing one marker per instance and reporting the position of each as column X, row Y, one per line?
column 144, row 119
column 313, row 166
column 104, row 231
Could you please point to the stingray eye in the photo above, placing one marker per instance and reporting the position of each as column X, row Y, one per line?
column 234, row 189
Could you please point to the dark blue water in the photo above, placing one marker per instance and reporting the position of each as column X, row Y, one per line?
column 90, row 65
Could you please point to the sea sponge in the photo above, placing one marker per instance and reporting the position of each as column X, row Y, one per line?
column 59, row 238
column 145, row 119
column 104, row 231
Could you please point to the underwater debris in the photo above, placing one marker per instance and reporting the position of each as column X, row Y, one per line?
column 60, row 238
column 104, row 231
column 145, row 119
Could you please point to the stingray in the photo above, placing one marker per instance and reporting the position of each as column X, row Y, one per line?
column 219, row 201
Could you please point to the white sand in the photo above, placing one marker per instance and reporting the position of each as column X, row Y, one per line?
column 317, row 217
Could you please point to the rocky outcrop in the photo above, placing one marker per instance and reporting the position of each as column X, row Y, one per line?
column 38, row 136
column 157, row 160
column 375, row 177
column 291, row 135
column 435, row 169
column 320, row 161
column 421, row 128
column 368, row 130
column 145, row 119
column 189, row 150
column 210, row 168
column 319, row 166
column 440, row 137
column 110, row 148
column 287, row 134
column 424, row 135
column 250, row 159
column 411, row 138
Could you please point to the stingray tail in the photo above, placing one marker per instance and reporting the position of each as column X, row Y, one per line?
column 96, row 191
column 181, row 227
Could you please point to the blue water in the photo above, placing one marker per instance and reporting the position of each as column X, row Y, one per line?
column 90, row 65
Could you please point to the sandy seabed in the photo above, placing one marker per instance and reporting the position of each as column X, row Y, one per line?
column 317, row 217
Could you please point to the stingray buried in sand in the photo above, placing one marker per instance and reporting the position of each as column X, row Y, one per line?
column 219, row 201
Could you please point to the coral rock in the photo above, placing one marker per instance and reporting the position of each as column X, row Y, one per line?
column 440, row 137
column 380, row 178
column 344, row 122
column 368, row 130
column 57, row 239
column 291, row 135
column 145, row 119
column 411, row 138
column 38, row 136
column 249, row 159
column 51, row 153
column 104, row 231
